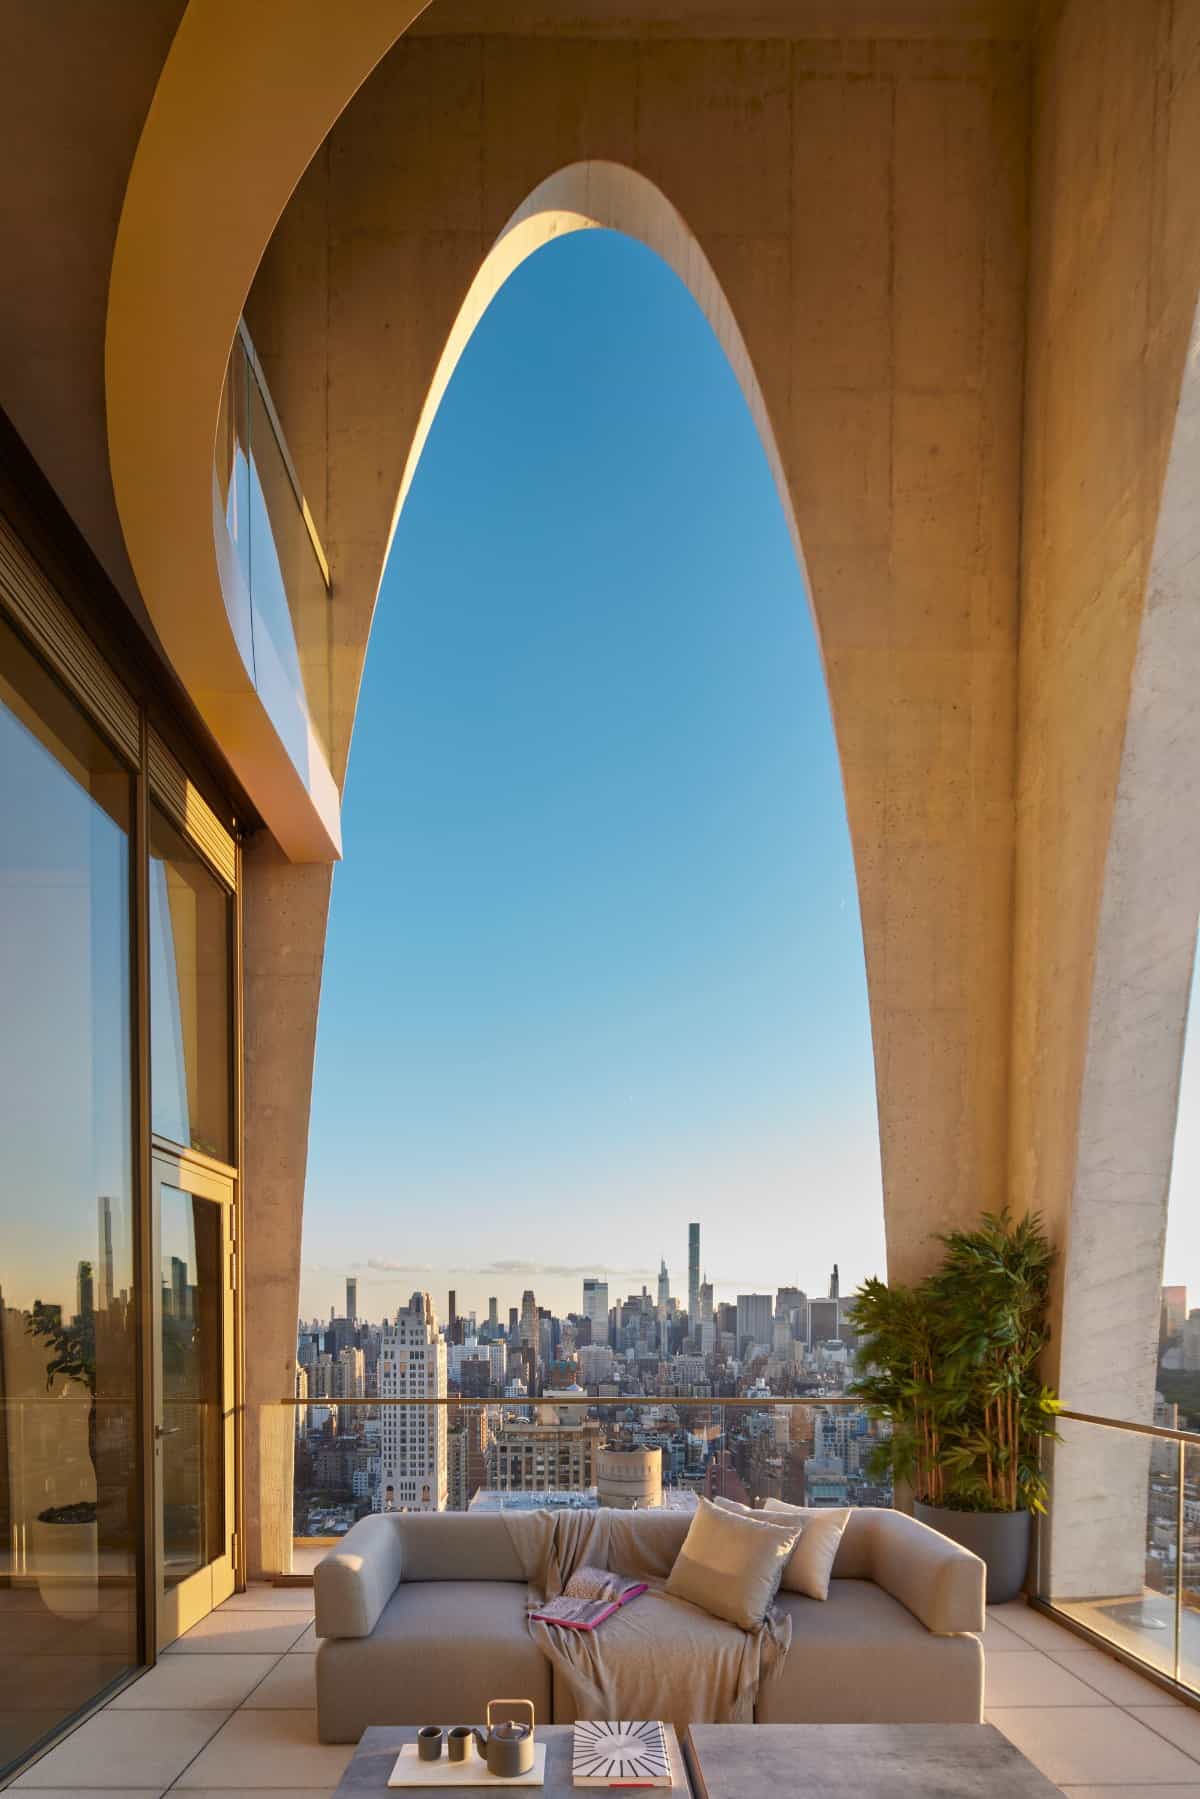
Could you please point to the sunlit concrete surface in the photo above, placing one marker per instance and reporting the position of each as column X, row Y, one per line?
column 231, row 1708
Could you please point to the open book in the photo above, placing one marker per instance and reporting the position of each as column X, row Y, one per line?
column 589, row 1597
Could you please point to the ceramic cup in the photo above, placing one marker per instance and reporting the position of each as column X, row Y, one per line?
column 460, row 1743
column 429, row 1742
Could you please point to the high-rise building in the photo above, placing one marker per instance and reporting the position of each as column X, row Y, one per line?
column 180, row 1294
column 349, row 1374
column 414, row 1470
column 791, row 1303
column 595, row 1308
column 824, row 1321
column 755, row 1320
column 834, row 1284
column 1174, row 1311
column 351, row 1298
column 85, row 1297
column 664, row 1287
column 105, row 1294
column 693, row 1279
column 513, row 1326
column 529, row 1320
column 452, row 1311
column 493, row 1313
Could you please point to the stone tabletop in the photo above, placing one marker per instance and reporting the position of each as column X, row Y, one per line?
column 865, row 1761
column 380, row 1745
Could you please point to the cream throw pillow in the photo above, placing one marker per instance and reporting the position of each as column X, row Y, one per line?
column 810, row 1565
column 731, row 1566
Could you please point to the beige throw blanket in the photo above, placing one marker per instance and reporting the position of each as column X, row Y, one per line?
column 658, row 1657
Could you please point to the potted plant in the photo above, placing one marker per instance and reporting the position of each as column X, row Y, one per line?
column 952, row 1365
column 66, row 1538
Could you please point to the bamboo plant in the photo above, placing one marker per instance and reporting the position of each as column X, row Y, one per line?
column 952, row 1365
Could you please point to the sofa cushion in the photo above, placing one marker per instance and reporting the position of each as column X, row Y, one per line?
column 811, row 1562
column 731, row 1565
column 862, row 1658
column 439, row 1652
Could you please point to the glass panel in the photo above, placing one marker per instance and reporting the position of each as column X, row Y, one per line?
column 189, row 996
column 291, row 600
column 1115, row 1570
column 193, row 1464
column 508, row 1454
column 68, row 1438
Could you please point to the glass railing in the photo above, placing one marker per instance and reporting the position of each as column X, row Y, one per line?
column 356, row 1456
column 277, row 579
column 1119, row 1554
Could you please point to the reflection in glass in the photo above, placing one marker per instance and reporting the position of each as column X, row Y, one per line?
column 68, row 1442
column 192, row 1460
column 1119, row 1569
column 189, row 996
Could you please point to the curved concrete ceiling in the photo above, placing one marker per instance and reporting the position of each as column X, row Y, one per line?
column 246, row 97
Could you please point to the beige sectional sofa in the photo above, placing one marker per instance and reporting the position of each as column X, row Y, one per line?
column 421, row 1618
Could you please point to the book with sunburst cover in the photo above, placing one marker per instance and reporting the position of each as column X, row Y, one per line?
column 621, row 1755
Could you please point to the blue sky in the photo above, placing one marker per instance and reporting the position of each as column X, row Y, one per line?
column 595, row 962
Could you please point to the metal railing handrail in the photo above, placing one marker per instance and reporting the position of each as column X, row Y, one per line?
column 1165, row 1431
column 581, row 1399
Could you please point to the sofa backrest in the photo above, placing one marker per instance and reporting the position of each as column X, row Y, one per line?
column 489, row 1545
column 460, row 1545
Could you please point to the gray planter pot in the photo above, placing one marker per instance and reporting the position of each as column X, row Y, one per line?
column 999, row 1539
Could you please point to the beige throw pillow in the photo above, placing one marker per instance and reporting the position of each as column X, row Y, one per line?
column 810, row 1565
column 731, row 1566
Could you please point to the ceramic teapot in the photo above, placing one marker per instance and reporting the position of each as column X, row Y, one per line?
column 507, row 1748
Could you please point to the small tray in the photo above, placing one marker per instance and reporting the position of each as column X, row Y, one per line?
column 411, row 1771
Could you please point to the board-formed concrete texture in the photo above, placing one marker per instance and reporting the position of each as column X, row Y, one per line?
column 952, row 250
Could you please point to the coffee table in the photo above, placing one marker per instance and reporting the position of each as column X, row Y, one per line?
column 379, row 1746
column 859, row 1761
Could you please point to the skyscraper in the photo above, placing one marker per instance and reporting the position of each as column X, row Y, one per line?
column 494, row 1313
column 105, row 1295
column 664, row 1287
column 414, row 1470
column 755, row 1321
column 351, row 1298
column 791, row 1303
column 595, row 1307
column 834, row 1285
column 529, row 1320
column 694, row 1279
column 824, row 1321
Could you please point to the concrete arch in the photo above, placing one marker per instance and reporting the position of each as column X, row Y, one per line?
column 245, row 98
column 895, row 442
column 1137, row 1021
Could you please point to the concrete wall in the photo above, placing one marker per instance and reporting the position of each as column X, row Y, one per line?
column 1108, row 845
column 863, row 207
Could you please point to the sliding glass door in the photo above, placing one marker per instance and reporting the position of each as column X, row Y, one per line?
column 118, row 1182
column 70, row 1452
column 194, row 1390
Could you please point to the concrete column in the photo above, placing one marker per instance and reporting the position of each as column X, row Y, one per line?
column 1109, row 822
column 285, row 910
